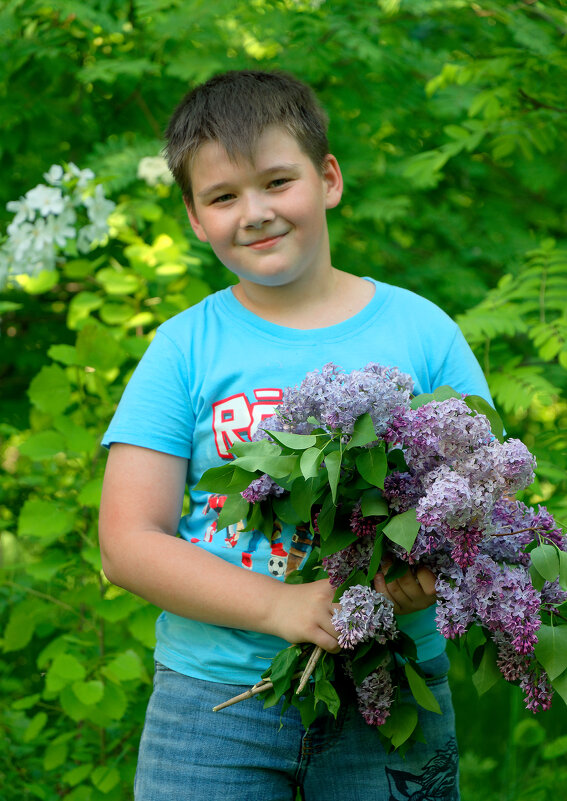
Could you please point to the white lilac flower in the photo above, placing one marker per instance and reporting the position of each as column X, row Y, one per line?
column 62, row 226
column 54, row 175
column 154, row 170
column 20, row 241
column 98, row 207
column 83, row 176
column 46, row 199
column 23, row 210
column 40, row 236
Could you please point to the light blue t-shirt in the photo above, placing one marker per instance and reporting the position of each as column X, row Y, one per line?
column 209, row 377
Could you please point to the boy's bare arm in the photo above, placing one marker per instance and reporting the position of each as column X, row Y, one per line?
column 140, row 510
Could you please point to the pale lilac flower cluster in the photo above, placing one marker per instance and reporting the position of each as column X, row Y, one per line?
column 356, row 556
column 337, row 399
column 364, row 614
column 260, row 488
column 375, row 695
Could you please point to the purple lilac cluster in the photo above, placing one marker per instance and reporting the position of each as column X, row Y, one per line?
column 337, row 399
column 261, row 488
column 375, row 695
column 457, row 474
column 460, row 480
column 356, row 556
column 364, row 615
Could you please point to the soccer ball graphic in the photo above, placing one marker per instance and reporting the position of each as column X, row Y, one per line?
column 276, row 565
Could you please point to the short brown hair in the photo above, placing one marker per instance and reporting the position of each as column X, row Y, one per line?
column 233, row 109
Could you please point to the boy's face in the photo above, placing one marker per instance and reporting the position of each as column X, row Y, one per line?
column 266, row 219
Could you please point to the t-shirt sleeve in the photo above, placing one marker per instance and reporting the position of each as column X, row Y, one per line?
column 461, row 370
column 155, row 410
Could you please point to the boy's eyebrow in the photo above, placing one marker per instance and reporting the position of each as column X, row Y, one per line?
column 211, row 190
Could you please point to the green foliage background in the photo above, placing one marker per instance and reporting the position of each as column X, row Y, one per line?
column 449, row 119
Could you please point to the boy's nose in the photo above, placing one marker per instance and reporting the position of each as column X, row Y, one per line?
column 256, row 211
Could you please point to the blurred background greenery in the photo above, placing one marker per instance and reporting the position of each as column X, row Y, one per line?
column 449, row 119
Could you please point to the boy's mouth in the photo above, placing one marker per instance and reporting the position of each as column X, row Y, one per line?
column 265, row 242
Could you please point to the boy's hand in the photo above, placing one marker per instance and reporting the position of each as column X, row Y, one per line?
column 304, row 614
column 409, row 593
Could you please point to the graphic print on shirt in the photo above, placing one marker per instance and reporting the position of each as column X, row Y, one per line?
column 235, row 416
column 248, row 540
column 236, row 419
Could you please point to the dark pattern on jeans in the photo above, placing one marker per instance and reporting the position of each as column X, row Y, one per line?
column 436, row 782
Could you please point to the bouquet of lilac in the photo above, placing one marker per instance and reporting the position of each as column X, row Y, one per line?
column 370, row 475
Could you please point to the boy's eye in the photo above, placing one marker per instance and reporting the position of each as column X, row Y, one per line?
column 279, row 182
column 222, row 198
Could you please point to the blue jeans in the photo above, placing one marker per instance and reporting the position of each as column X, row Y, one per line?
column 244, row 752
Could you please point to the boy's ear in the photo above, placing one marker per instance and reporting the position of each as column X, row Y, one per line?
column 334, row 181
column 195, row 224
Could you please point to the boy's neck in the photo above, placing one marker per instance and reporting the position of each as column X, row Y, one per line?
column 333, row 301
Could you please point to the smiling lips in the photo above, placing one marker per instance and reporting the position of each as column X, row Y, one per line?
column 266, row 242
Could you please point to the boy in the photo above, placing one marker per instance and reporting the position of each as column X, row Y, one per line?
column 249, row 151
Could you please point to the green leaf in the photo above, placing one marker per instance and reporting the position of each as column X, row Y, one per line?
column 34, row 727
column 478, row 404
column 445, row 392
column 421, row 400
column 262, row 447
column 65, row 669
column 551, row 649
column 563, row 569
column 275, row 466
column 142, row 625
column 66, row 354
column 372, row 503
column 402, row 529
column 221, row 479
column 283, row 667
column 105, row 778
column 487, row 673
column 363, row 432
column 336, row 541
column 376, row 558
column 117, row 283
column 91, row 492
column 126, row 666
column 333, row 465
column 88, row 692
column 44, row 520
column 55, row 755
column 420, row 690
column 296, row 442
column 326, row 517
column 401, row 724
column 559, row 684
column 356, row 577
column 77, row 775
column 50, row 390
column 303, row 495
column 43, row 445
column 234, row 509
column 545, row 559
column 366, row 661
column 284, row 510
column 324, row 691
column 372, row 465
column 98, row 349
column 310, row 462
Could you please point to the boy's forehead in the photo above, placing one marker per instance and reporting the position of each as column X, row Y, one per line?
column 274, row 145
